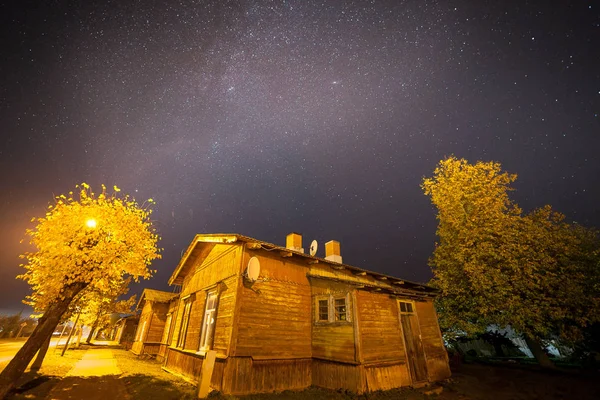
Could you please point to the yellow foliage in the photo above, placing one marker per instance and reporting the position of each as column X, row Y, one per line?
column 123, row 242
column 494, row 265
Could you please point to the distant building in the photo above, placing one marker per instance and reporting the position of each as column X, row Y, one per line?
column 154, row 305
column 280, row 319
column 124, row 330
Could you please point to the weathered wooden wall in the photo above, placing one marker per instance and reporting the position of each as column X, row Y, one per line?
column 386, row 377
column 219, row 271
column 333, row 340
column 333, row 375
column 157, row 320
column 433, row 345
column 379, row 328
column 243, row 375
column 137, row 347
column 168, row 330
column 142, row 329
column 221, row 266
column 274, row 318
column 189, row 366
column 266, row 336
column 184, row 364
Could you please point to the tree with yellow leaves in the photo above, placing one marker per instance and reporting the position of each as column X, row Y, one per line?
column 494, row 265
column 85, row 243
column 97, row 307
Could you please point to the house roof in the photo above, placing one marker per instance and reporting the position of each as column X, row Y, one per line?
column 194, row 251
column 157, row 296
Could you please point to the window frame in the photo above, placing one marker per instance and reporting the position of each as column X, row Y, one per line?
column 185, row 320
column 319, row 314
column 207, row 335
column 335, row 300
column 409, row 307
column 332, row 309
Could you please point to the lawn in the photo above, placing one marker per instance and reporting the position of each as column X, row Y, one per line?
column 145, row 379
column 38, row 385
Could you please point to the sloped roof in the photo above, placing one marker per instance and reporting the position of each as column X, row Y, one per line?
column 157, row 296
column 230, row 238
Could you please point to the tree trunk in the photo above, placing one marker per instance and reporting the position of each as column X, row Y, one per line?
column 79, row 334
column 37, row 364
column 539, row 353
column 92, row 329
column 49, row 321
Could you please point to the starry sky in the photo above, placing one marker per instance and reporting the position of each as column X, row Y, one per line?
column 319, row 117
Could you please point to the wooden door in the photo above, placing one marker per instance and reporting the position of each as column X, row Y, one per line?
column 415, row 356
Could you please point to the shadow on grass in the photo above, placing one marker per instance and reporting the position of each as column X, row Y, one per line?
column 148, row 387
column 98, row 388
column 33, row 386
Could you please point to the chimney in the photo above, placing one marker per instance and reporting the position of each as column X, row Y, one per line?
column 293, row 241
column 332, row 251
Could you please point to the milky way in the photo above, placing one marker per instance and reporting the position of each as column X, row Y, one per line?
column 264, row 118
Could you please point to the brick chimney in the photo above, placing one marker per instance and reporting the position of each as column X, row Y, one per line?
column 332, row 251
column 293, row 241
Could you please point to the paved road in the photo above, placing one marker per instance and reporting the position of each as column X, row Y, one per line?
column 8, row 348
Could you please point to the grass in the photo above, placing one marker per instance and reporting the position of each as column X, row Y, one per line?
column 38, row 385
column 145, row 379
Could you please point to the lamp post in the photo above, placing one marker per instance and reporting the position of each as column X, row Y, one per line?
column 71, row 334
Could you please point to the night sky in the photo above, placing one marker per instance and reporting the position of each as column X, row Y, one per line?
column 319, row 117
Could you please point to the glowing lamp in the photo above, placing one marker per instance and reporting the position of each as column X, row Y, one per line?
column 90, row 223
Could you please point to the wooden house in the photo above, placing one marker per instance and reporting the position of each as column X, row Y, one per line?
column 168, row 329
column 154, row 306
column 125, row 329
column 280, row 319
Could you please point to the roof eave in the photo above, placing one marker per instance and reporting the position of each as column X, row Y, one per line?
column 199, row 238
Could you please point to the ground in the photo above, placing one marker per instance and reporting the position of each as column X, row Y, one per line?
column 145, row 379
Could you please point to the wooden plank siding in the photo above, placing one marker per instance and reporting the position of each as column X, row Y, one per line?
column 433, row 345
column 267, row 335
column 224, row 321
column 219, row 271
column 333, row 341
column 381, row 336
column 334, row 375
column 142, row 329
column 243, row 375
column 386, row 377
column 157, row 321
column 267, row 328
column 274, row 320
column 168, row 330
column 184, row 364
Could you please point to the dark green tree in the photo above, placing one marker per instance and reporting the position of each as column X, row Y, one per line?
column 494, row 265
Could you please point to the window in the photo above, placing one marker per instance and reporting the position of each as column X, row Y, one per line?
column 208, row 323
column 187, row 307
column 332, row 308
column 323, row 310
column 340, row 309
column 406, row 307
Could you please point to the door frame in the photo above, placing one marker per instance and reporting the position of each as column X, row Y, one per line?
column 412, row 314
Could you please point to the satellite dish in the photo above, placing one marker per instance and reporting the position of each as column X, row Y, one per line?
column 253, row 269
column 313, row 247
